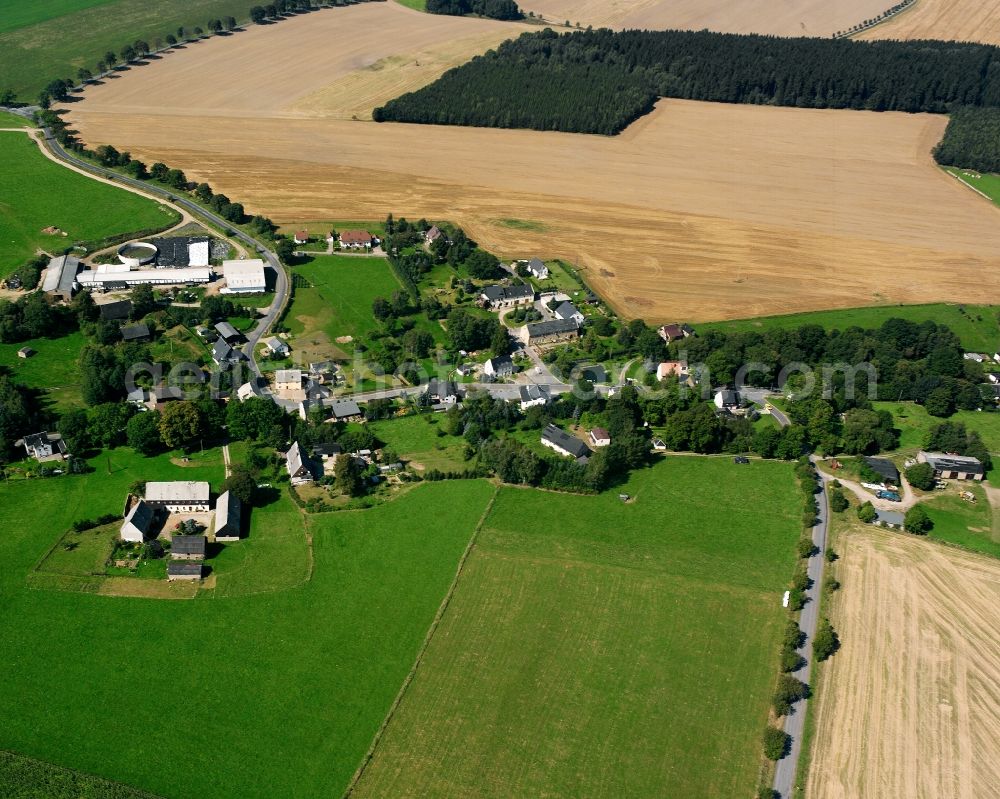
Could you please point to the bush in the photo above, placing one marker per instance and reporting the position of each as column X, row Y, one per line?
column 826, row 641
column 921, row 476
column 838, row 502
column 776, row 743
column 867, row 513
column 806, row 548
column 917, row 521
column 790, row 690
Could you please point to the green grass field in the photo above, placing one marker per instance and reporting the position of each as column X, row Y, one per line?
column 987, row 183
column 977, row 328
column 415, row 439
column 968, row 524
column 290, row 685
column 418, row 5
column 16, row 14
column 25, row 778
column 35, row 47
column 914, row 423
column 53, row 369
column 339, row 300
column 85, row 209
column 595, row 648
column 9, row 120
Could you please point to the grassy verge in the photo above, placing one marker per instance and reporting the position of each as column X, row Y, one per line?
column 983, row 183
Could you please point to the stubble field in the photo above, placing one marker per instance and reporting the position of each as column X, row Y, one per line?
column 962, row 20
column 699, row 211
column 908, row 708
column 787, row 18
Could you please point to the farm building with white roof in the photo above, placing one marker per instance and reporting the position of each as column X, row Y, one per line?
column 179, row 496
column 244, row 277
column 120, row 273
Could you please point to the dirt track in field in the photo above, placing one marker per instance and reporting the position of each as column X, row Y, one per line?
column 962, row 20
column 778, row 17
column 910, row 706
column 698, row 211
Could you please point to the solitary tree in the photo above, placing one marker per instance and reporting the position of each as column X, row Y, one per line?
column 867, row 513
column 180, row 425
column 917, row 521
column 776, row 743
column 826, row 641
column 242, row 483
column 921, row 475
column 838, row 502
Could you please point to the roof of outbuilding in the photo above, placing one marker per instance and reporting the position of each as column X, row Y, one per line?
column 188, row 544
column 184, row 568
column 551, row 327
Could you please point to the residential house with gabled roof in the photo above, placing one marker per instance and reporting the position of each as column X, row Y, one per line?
column 43, row 446
column 557, row 439
column 670, row 333
column 727, row 399
column 277, row 347
column 228, row 332
column 441, row 392
column 223, row 354
column 532, row 395
column 568, row 310
column 537, row 269
column 298, row 466
column 432, row 235
column 550, row 332
column 346, row 411
column 356, row 239
column 599, row 437
column 499, row 297
column 501, row 366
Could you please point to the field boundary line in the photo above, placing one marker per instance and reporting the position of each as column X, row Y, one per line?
column 379, row 734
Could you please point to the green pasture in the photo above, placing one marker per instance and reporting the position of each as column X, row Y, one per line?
column 53, row 369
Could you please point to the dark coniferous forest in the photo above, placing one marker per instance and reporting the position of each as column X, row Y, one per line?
column 601, row 81
column 972, row 140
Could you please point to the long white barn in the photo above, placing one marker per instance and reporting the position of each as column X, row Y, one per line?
column 120, row 273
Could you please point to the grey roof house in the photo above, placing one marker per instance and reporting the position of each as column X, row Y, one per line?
column 228, row 516
column 188, row 547
column 564, row 443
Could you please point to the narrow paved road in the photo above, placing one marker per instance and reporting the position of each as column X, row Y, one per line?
column 787, row 767
column 784, row 775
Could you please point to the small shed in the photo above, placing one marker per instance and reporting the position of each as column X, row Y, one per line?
column 184, row 570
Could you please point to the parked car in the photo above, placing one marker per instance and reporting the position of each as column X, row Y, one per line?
column 892, row 496
column 741, row 459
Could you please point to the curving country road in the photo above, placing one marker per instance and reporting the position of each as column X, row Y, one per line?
column 185, row 205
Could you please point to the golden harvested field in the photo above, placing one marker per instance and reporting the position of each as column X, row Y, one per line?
column 909, row 708
column 698, row 211
column 331, row 63
column 963, row 20
column 778, row 17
